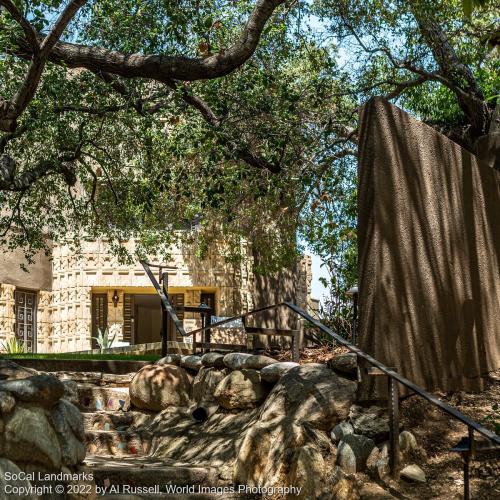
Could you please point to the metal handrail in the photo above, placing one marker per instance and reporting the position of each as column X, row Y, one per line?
column 453, row 412
column 393, row 376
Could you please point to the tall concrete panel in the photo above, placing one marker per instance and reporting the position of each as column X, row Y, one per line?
column 429, row 253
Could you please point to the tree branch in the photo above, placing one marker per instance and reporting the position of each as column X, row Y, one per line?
column 11, row 110
column 29, row 31
column 162, row 67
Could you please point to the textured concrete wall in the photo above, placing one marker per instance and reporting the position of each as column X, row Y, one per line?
column 429, row 252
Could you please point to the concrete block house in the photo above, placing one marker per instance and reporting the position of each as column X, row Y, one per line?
column 61, row 302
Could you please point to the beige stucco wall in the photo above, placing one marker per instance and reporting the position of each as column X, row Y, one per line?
column 429, row 252
column 38, row 277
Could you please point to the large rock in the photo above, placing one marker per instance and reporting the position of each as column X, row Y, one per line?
column 340, row 431
column 71, row 391
column 241, row 389
column 353, row 452
column 30, row 438
column 283, row 453
column 191, row 362
column 236, row 360
column 204, row 385
column 11, row 371
column 68, row 423
column 291, row 431
column 310, row 393
column 213, row 359
column 45, row 390
column 258, row 361
column 413, row 473
column 7, row 402
column 274, row 371
column 372, row 422
column 170, row 359
column 8, row 487
column 156, row 387
column 307, row 472
column 407, row 442
column 345, row 363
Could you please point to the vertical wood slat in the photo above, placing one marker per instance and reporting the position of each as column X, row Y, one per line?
column 128, row 318
column 99, row 315
column 177, row 301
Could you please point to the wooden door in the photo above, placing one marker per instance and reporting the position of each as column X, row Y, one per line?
column 99, row 315
column 25, row 309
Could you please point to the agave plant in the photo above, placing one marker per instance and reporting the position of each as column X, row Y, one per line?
column 104, row 340
column 13, row 346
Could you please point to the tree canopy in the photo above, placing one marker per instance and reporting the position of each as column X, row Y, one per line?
column 136, row 118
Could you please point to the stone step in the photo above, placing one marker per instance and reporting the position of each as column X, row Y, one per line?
column 116, row 420
column 148, row 472
column 94, row 398
column 96, row 378
column 118, row 443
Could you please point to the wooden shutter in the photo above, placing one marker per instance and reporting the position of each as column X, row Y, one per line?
column 99, row 315
column 128, row 318
column 177, row 301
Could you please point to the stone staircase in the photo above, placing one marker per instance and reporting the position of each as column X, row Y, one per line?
column 119, row 444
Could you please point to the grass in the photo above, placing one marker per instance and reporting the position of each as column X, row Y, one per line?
column 83, row 356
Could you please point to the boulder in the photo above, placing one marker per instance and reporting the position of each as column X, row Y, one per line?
column 345, row 363
column 413, row 473
column 45, row 390
column 11, row 469
column 236, row 360
column 241, row 389
column 340, row 430
column 7, row 402
column 30, row 438
column 307, row 472
column 156, row 387
column 73, row 417
column 310, row 393
column 205, row 383
column 266, row 451
column 213, row 359
column 258, row 361
column 344, row 487
column 272, row 373
column 70, row 391
column 12, row 371
column 170, row 359
column 372, row 422
column 353, row 452
column 191, row 362
column 289, row 435
column 407, row 442
column 64, row 421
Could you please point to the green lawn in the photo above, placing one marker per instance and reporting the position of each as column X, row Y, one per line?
column 62, row 355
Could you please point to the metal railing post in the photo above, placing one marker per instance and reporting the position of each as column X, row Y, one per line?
column 164, row 317
column 393, row 400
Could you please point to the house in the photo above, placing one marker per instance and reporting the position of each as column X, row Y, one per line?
column 59, row 305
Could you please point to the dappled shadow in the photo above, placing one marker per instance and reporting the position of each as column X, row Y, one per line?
column 429, row 248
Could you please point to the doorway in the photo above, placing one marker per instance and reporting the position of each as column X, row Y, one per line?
column 25, row 310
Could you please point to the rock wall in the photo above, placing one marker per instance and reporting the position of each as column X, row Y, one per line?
column 429, row 252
